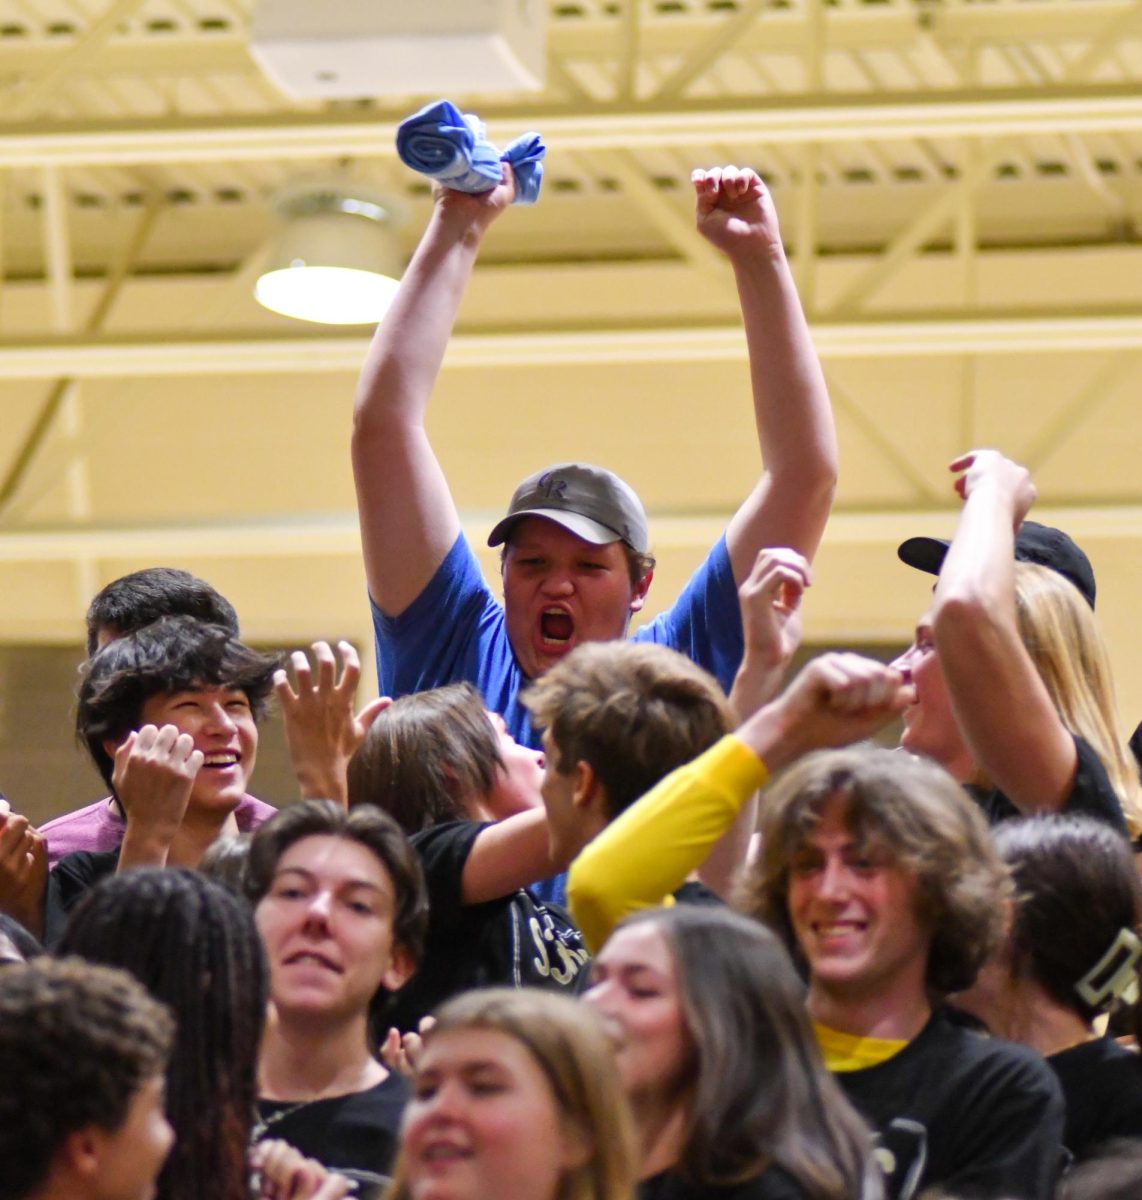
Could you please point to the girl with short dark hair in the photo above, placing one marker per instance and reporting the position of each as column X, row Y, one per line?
column 1073, row 953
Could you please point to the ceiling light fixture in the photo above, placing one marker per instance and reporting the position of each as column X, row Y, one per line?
column 337, row 261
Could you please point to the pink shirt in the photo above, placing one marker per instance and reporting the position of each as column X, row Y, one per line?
column 100, row 827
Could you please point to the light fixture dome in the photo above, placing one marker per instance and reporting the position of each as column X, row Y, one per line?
column 337, row 261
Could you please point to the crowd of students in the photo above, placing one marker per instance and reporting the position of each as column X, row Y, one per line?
column 537, row 925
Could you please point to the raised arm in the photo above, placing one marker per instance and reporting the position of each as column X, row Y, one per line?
column 770, row 600
column 790, row 503
column 322, row 731
column 408, row 518
column 649, row 850
column 511, row 854
column 1001, row 704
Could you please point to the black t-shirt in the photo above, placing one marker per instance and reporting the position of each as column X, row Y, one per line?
column 772, row 1184
column 354, row 1134
column 1092, row 793
column 1102, row 1086
column 70, row 880
column 975, row 1115
column 514, row 941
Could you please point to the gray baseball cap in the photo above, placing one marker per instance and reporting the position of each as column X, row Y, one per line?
column 592, row 502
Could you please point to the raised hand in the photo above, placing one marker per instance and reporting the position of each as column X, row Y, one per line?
column 321, row 729
column 401, row 1051
column 154, row 774
column 23, row 869
column 770, row 601
column 835, row 700
column 771, row 604
column 734, row 209
column 980, row 469
column 480, row 209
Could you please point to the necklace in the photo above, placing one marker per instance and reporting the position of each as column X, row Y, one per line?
column 263, row 1123
column 340, row 1086
column 268, row 1122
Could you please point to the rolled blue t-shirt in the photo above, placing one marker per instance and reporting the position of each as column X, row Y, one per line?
column 454, row 631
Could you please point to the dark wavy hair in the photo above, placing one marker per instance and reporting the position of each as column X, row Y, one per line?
column 132, row 601
column 194, row 946
column 759, row 1091
column 925, row 823
column 1076, row 888
column 173, row 654
column 378, row 833
column 77, row 1043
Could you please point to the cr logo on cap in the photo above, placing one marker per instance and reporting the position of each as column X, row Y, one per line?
column 552, row 487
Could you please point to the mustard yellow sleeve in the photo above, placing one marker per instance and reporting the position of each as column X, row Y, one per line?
column 648, row 851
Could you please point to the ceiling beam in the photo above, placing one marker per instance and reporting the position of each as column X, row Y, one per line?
column 807, row 226
column 626, row 80
column 35, row 93
column 338, row 535
column 873, row 338
column 1080, row 410
column 880, row 438
column 225, row 51
column 1106, row 40
column 62, row 393
column 853, row 27
column 674, row 222
column 57, row 250
column 700, row 58
column 925, row 225
column 831, row 117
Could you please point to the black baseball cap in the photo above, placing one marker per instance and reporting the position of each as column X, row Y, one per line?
column 1034, row 543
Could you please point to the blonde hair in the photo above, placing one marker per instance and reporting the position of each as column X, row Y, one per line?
column 1062, row 637
column 566, row 1040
